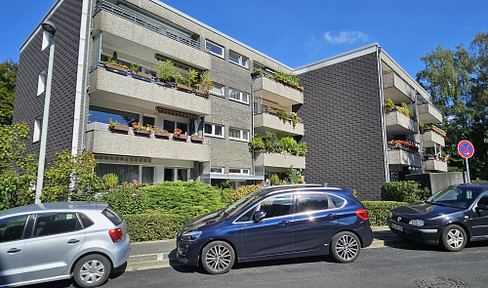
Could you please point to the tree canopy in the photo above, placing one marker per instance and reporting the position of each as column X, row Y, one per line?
column 8, row 78
column 457, row 81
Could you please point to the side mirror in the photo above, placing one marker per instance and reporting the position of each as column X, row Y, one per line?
column 258, row 216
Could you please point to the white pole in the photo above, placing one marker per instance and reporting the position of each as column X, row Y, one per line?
column 467, row 170
column 45, row 120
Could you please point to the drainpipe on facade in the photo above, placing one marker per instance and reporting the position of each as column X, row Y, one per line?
column 383, row 119
column 85, row 90
column 421, row 144
column 252, row 129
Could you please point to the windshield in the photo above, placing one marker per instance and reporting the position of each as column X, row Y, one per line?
column 454, row 197
column 241, row 204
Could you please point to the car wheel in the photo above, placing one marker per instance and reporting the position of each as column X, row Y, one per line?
column 92, row 271
column 454, row 238
column 218, row 257
column 345, row 247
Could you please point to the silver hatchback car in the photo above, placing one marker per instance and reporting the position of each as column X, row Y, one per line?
column 54, row 241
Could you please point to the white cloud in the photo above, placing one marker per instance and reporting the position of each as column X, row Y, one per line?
column 343, row 37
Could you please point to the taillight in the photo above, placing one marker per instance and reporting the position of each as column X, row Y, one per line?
column 362, row 213
column 116, row 234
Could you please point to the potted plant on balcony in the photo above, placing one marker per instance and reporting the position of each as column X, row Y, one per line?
column 389, row 105
column 135, row 70
column 184, row 84
column 113, row 64
column 178, row 136
column 167, row 73
column 257, row 143
column 161, row 133
column 302, row 149
column 116, row 126
column 195, row 138
column 205, row 85
column 256, row 73
column 141, row 129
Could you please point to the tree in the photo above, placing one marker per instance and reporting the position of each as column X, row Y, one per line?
column 457, row 81
column 8, row 77
column 17, row 169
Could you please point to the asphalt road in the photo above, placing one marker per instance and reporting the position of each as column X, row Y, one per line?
column 398, row 266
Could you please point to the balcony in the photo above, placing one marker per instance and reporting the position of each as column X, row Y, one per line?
column 276, row 92
column 399, row 124
column 397, row 89
column 435, row 165
column 112, row 87
column 400, row 157
column 430, row 138
column 112, row 143
column 129, row 35
column 279, row 160
column 265, row 121
column 429, row 114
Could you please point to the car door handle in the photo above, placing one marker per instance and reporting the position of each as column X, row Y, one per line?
column 284, row 223
column 13, row 251
column 331, row 216
column 73, row 241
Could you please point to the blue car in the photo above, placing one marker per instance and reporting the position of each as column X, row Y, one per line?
column 278, row 222
column 451, row 217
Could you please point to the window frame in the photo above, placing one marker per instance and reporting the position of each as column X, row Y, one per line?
column 222, row 55
column 241, row 60
column 213, row 134
column 220, row 168
column 220, row 87
column 241, row 171
column 41, row 82
column 36, row 131
column 241, row 93
column 241, row 133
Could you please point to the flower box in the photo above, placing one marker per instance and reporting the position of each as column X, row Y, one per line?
column 142, row 131
column 196, row 139
column 162, row 134
column 116, row 67
column 184, row 87
column 201, row 92
column 180, row 137
column 120, row 128
column 141, row 74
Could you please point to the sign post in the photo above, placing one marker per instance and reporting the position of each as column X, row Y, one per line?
column 466, row 150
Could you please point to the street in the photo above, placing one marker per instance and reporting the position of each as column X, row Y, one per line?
column 399, row 265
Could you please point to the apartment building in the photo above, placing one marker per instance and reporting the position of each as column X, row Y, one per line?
column 107, row 88
column 368, row 122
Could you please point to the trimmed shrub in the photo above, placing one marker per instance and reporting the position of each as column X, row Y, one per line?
column 127, row 199
column 153, row 226
column 404, row 191
column 243, row 191
column 379, row 210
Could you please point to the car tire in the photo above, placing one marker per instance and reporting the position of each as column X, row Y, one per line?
column 92, row 271
column 454, row 238
column 218, row 257
column 345, row 247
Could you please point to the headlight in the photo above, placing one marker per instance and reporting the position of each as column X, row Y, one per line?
column 416, row 222
column 191, row 236
column 390, row 215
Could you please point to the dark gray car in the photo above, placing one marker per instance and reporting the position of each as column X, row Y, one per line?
column 54, row 241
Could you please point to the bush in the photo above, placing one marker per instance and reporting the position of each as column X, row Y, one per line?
column 186, row 198
column 404, row 191
column 379, row 210
column 153, row 226
column 243, row 191
column 127, row 199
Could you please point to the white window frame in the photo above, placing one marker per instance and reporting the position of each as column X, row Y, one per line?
column 242, row 133
column 41, row 83
column 218, row 87
column 36, row 133
column 241, row 96
column 241, row 60
column 213, row 134
column 221, row 55
column 242, row 171
column 220, row 170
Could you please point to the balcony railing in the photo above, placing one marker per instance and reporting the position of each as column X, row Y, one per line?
column 404, row 157
column 280, row 160
column 149, row 23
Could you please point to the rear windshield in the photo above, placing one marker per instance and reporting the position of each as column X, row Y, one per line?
column 113, row 216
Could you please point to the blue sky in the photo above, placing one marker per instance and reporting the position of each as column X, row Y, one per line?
column 301, row 32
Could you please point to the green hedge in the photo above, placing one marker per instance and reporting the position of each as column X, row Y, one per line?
column 154, row 226
column 378, row 210
column 404, row 191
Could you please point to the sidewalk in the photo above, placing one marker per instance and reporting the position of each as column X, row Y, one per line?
column 156, row 254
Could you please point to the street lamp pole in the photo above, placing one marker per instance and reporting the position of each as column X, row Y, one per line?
column 51, row 29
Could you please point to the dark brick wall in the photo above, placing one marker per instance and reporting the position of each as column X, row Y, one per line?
column 342, row 118
column 28, row 106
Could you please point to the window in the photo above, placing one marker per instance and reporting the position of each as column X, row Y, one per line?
column 113, row 216
column 312, row 202
column 277, row 206
column 238, row 59
column 87, row 222
column 170, row 126
column 148, row 175
column 238, row 134
column 11, row 228
column 36, row 135
column 126, row 173
column 41, row 83
column 46, row 39
column 238, row 171
column 56, row 223
column 218, row 90
column 214, row 48
column 239, row 96
column 214, row 130
column 103, row 115
column 338, row 201
column 217, row 170
column 175, row 174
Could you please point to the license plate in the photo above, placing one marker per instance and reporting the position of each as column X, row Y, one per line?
column 396, row 227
